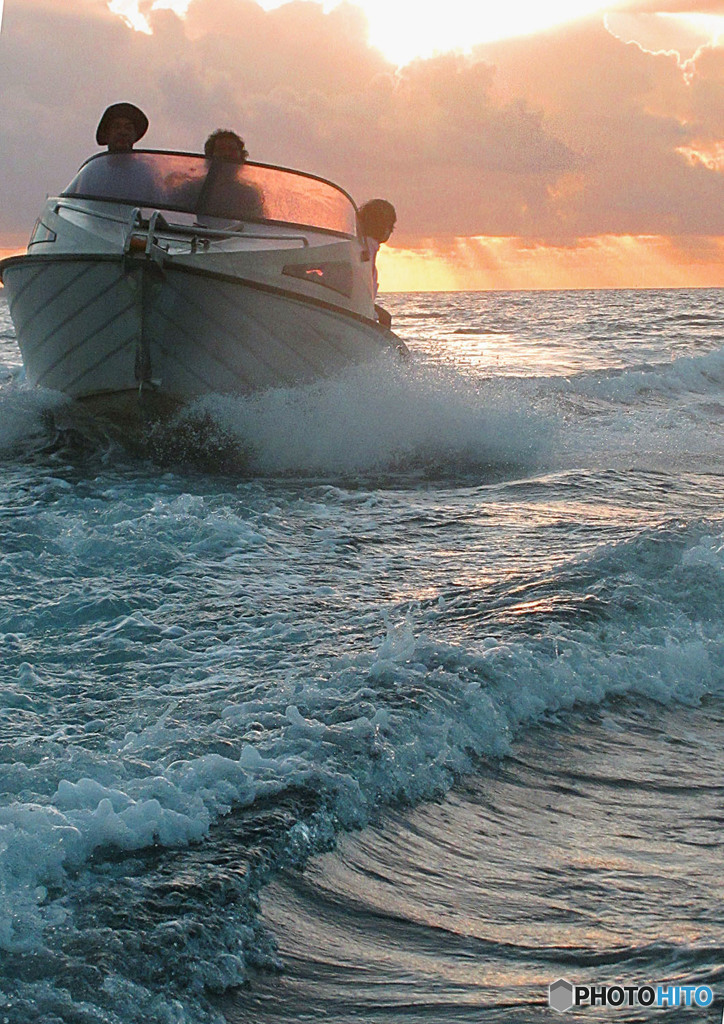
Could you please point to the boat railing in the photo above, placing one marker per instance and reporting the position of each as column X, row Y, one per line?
column 147, row 234
column 187, row 229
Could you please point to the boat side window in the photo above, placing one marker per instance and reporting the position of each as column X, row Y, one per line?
column 41, row 233
column 333, row 274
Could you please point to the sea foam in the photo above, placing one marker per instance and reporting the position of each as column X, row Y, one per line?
column 399, row 722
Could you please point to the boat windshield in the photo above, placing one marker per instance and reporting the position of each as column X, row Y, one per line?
column 215, row 191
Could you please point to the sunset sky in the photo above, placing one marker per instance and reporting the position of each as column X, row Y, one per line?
column 524, row 144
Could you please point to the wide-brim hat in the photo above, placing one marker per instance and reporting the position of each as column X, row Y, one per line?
column 128, row 110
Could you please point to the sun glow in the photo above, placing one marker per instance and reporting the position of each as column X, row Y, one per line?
column 512, row 264
column 709, row 25
column 466, row 26
column 711, row 156
column 130, row 11
column 404, row 30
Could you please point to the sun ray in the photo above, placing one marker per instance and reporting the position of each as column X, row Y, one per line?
column 606, row 261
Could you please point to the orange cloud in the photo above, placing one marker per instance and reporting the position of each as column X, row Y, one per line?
column 629, row 115
column 673, row 6
column 571, row 134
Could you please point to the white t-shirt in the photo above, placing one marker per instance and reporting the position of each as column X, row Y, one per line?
column 373, row 247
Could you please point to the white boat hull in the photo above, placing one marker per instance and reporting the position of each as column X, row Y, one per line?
column 106, row 328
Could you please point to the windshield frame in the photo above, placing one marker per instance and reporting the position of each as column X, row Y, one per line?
column 179, row 208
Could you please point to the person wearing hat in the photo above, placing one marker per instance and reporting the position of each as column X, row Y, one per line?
column 121, row 126
column 121, row 173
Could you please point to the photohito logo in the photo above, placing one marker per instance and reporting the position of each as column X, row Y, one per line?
column 563, row 995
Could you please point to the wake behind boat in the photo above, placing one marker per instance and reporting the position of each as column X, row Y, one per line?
column 157, row 277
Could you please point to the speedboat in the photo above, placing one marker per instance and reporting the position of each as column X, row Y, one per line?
column 159, row 277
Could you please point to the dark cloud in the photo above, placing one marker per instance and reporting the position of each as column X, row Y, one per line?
column 561, row 135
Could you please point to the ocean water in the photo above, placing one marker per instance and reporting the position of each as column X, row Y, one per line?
column 393, row 698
